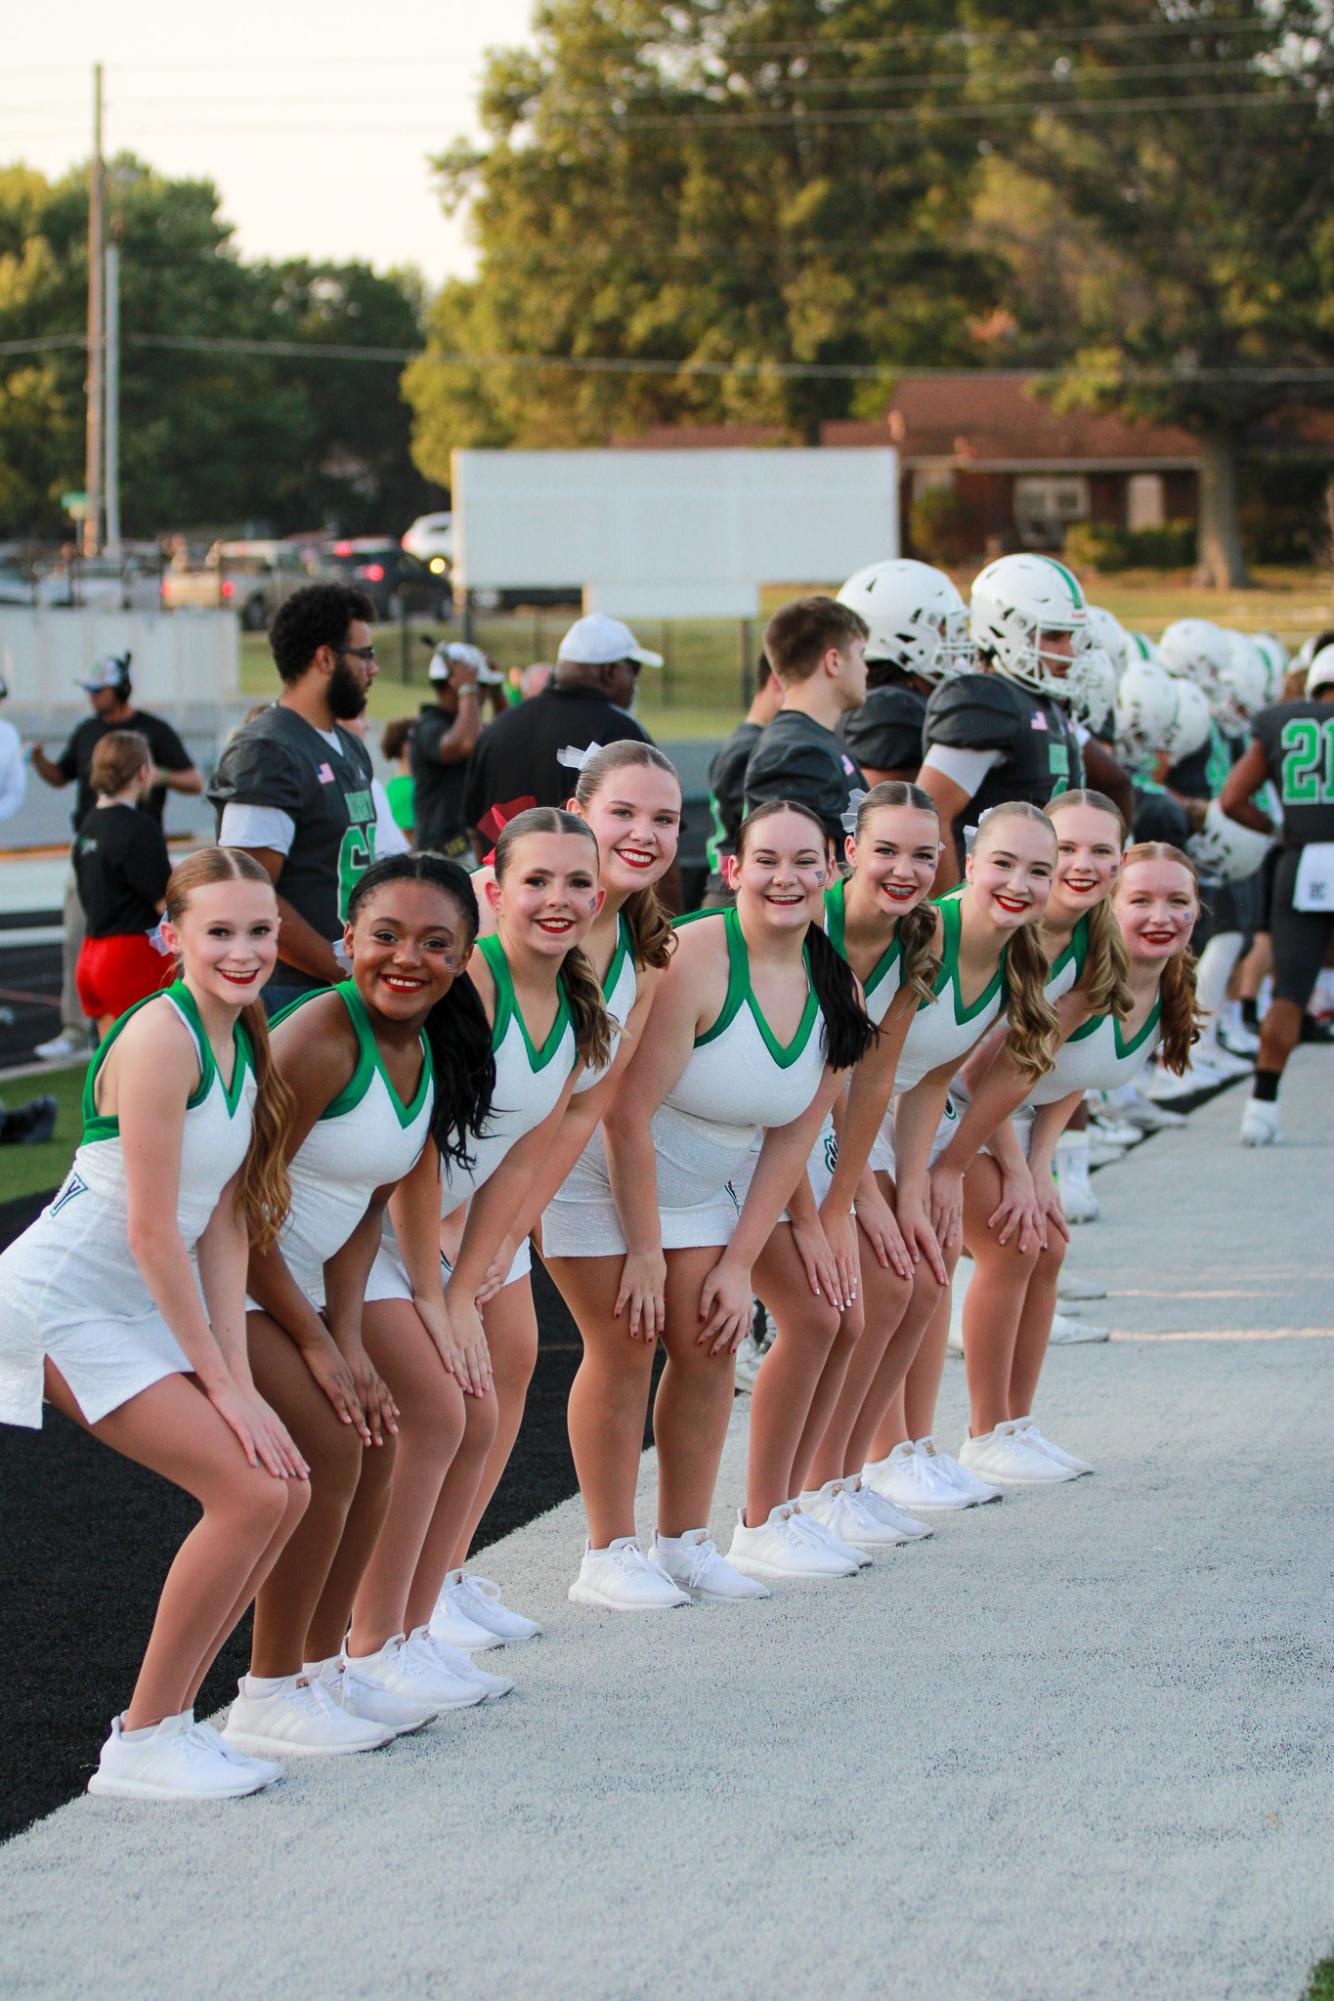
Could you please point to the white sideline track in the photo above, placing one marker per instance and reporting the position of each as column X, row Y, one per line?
column 1070, row 1747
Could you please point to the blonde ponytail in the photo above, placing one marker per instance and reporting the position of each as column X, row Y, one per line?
column 1035, row 1028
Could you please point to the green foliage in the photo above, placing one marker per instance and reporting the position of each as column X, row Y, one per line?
column 945, row 527
column 1092, row 545
column 1321, row 1986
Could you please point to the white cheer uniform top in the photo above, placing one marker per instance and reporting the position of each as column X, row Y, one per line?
column 943, row 1030
column 581, row 1212
column 71, row 1282
column 620, row 984
column 1100, row 1056
column 367, row 1138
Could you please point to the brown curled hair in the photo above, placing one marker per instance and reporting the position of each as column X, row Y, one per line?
column 1106, row 976
column 652, row 939
column 1182, row 1014
column 264, row 1191
column 117, row 757
column 919, row 960
column 1035, row 1028
column 594, row 1028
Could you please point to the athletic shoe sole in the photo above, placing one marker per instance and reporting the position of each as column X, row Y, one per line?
column 267, row 1747
column 136, row 1789
column 750, row 1569
column 584, row 1594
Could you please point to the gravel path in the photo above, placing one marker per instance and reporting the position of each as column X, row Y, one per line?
column 1070, row 1747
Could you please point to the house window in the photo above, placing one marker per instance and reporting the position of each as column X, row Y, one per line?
column 1144, row 500
column 1046, row 503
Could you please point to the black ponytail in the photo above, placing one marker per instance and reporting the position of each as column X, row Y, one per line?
column 457, row 1031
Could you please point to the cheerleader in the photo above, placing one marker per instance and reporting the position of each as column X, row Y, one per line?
column 361, row 1061
column 542, row 1003
column 754, row 1021
column 181, row 1159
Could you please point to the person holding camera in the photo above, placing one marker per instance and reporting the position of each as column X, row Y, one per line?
column 442, row 742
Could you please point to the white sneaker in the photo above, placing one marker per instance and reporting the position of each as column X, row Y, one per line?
column 1234, row 1034
column 1149, row 1117
column 298, row 1720
column 408, row 1674
column 910, row 1479
column 268, row 1768
column 620, row 1578
column 453, row 1666
column 64, row 1049
column 174, row 1760
column 1069, row 1332
column 1002, row 1455
column 1028, row 1431
column 954, row 1338
column 360, row 1694
column 1102, row 1152
column 780, row 1548
column 908, row 1526
column 695, row 1564
column 1259, row 1124
column 840, row 1506
column 481, row 1602
column 945, row 1466
column 1213, row 1054
column 1070, row 1165
column 452, row 1623
column 1116, row 1132
column 749, row 1355
column 817, row 1531
column 1071, row 1286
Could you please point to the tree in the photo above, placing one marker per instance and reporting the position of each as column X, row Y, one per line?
column 1202, row 223
column 708, row 185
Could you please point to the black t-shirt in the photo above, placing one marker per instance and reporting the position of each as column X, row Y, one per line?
column 280, row 760
column 121, row 866
column 515, row 756
column 75, row 760
column 437, row 789
column 885, row 733
column 1298, row 740
column 1039, row 749
column 799, row 759
column 727, row 797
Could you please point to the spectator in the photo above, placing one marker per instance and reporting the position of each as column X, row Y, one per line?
column 389, row 836
column 816, row 647
column 443, row 738
column 293, row 787
column 109, row 690
column 727, row 778
column 399, row 791
column 13, row 766
column 121, row 866
column 514, row 763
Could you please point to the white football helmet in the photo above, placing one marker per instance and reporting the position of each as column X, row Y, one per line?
column 1107, row 631
column 1243, row 683
column 1013, row 602
column 1090, row 688
column 1198, row 650
column 917, row 618
column 1275, row 656
column 1189, row 730
column 1146, row 706
column 1225, row 850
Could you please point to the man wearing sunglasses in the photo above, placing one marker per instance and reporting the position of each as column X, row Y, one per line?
column 293, row 787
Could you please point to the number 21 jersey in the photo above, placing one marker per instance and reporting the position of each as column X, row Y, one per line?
column 1298, row 743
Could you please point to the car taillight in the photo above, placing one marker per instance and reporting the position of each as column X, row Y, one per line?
column 228, row 588
column 372, row 572
column 343, row 549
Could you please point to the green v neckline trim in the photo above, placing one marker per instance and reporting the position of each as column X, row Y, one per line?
column 1123, row 1048
column 507, row 1007
column 1077, row 951
column 952, row 919
column 836, row 920
column 740, row 994
column 368, row 1058
column 106, row 1125
column 618, row 958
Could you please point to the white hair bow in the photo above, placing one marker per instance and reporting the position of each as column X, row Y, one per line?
column 854, row 807
column 575, row 759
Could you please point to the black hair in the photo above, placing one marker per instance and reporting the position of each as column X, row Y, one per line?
column 848, row 1030
column 317, row 615
column 457, row 1031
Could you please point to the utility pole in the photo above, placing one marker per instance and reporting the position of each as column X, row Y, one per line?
column 113, row 396
column 92, row 522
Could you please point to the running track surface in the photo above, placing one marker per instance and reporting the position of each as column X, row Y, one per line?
column 1068, row 1748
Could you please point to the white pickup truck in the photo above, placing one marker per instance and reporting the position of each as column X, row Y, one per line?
column 250, row 578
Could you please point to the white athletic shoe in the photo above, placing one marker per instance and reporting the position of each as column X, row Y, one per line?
column 1259, row 1124
column 945, row 1466
column 779, row 1547
column 175, row 1760
column 1071, row 1286
column 1149, row 1117
column 1201, row 1076
column 1220, row 1058
column 620, row 1578
column 407, row 1673
column 1103, row 1152
column 1234, row 1034
column 455, row 1666
column 1067, row 1331
column 695, row 1565
column 908, row 1527
column 1002, row 1455
column 749, row 1355
column 297, row 1719
column 820, row 1533
column 64, row 1049
column 1071, row 1167
column 363, row 1695
column 1116, row 1132
column 268, row 1768
column 841, row 1506
column 481, row 1601
column 911, row 1479
column 1027, row 1429
column 452, row 1623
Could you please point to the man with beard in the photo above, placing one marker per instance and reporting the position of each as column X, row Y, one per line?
column 293, row 787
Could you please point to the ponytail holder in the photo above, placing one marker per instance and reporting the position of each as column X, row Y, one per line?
column 157, row 941
column 854, row 807
column 575, row 759
column 970, row 837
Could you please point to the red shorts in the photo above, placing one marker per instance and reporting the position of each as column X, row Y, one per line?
column 113, row 973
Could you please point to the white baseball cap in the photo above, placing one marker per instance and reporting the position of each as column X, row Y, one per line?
column 1320, row 673
column 467, row 656
column 597, row 641
column 111, row 671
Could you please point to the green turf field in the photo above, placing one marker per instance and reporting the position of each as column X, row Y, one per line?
column 28, row 1170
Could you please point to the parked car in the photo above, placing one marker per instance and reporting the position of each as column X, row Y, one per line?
column 250, row 578
column 429, row 537
column 399, row 584
column 132, row 582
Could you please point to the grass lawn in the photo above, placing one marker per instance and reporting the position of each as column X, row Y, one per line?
column 29, row 1170
column 698, row 691
column 1322, row 1982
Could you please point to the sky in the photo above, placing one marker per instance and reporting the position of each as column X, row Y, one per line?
column 318, row 141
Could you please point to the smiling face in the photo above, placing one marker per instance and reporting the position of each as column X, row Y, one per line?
column 781, row 871
column 1088, row 859
column 896, row 856
column 549, row 895
column 407, row 943
column 227, row 939
column 1157, row 904
column 636, row 816
column 1010, row 870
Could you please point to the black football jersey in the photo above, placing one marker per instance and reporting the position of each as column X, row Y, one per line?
column 1298, row 741
column 1201, row 775
column 799, row 759
column 1039, row 750
column 885, row 733
column 727, row 796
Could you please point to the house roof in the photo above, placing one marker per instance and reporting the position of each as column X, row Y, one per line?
column 998, row 422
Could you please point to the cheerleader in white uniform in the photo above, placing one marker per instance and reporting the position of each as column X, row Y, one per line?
column 359, row 1059
column 756, row 1018
column 544, row 1010
column 181, row 1159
